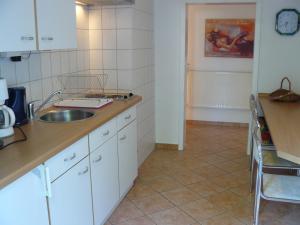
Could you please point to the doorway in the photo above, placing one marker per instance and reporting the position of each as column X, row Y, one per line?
column 218, row 86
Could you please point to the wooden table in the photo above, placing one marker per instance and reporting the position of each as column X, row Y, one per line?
column 283, row 120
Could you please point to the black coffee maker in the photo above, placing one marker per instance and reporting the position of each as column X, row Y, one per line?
column 17, row 102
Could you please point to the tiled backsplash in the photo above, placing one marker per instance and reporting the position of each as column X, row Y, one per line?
column 113, row 40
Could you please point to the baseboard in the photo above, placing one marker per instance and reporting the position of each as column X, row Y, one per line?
column 225, row 124
column 166, row 146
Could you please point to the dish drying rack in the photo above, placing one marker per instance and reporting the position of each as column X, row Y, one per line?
column 90, row 86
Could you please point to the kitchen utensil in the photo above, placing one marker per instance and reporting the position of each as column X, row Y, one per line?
column 17, row 102
column 7, row 116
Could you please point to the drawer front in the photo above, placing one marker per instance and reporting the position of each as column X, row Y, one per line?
column 126, row 117
column 69, row 157
column 102, row 134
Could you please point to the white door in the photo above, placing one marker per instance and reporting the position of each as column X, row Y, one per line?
column 56, row 24
column 127, row 149
column 70, row 202
column 17, row 24
column 105, row 180
column 23, row 202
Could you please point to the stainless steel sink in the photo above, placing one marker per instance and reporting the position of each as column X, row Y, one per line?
column 63, row 116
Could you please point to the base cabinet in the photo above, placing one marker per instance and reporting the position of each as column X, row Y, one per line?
column 70, row 200
column 80, row 185
column 105, row 180
column 23, row 202
column 127, row 150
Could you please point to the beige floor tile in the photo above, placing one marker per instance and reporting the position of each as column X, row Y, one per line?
column 153, row 204
column 188, row 178
column 172, row 216
column 209, row 171
column 162, row 184
column 226, row 200
column 139, row 191
column 223, row 219
column 213, row 167
column 202, row 209
column 227, row 181
column 181, row 196
column 205, row 188
column 138, row 221
column 126, row 210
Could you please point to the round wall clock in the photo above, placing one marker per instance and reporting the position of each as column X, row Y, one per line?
column 287, row 22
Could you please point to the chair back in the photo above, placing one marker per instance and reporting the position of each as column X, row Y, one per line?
column 258, row 145
column 254, row 112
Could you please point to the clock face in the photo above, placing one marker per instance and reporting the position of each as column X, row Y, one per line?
column 287, row 22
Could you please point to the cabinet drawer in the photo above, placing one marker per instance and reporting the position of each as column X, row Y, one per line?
column 126, row 117
column 69, row 157
column 102, row 134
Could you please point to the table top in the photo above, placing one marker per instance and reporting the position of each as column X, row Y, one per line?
column 283, row 120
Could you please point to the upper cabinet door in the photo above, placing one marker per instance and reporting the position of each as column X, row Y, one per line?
column 56, row 24
column 17, row 24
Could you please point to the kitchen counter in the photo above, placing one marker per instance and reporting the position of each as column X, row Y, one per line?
column 47, row 139
column 284, row 125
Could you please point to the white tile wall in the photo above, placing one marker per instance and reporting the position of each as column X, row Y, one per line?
column 127, row 56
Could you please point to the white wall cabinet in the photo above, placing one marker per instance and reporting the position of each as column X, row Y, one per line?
column 17, row 22
column 23, row 202
column 105, row 180
column 46, row 25
column 56, row 24
column 70, row 201
column 127, row 150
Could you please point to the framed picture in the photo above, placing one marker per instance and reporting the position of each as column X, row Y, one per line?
column 229, row 38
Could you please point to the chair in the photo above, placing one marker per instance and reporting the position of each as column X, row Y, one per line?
column 259, row 122
column 273, row 187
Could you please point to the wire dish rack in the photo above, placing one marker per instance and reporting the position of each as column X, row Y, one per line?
column 89, row 86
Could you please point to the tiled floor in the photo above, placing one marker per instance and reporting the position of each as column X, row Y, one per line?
column 207, row 184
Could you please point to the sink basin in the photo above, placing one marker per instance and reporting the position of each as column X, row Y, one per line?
column 63, row 116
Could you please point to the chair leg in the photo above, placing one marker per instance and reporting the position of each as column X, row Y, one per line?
column 251, row 154
column 252, row 161
column 257, row 198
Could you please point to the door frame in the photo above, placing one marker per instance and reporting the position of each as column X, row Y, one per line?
column 183, row 56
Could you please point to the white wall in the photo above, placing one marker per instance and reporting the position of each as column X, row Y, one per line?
column 218, row 87
column 278, row 55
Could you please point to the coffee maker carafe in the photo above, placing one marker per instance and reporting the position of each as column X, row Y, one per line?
column 7, row 116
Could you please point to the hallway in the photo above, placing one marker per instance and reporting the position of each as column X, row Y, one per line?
column 207, row 184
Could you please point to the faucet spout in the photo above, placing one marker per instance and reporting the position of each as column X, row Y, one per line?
column 46, row 101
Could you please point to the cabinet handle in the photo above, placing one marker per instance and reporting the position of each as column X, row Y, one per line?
column 98, row 159
column 47, row 38
column 71, row 158
column 27, row 38
column 84, row 172
column 123, row 138
column 128, row 117
column 106, row 133
column 48, row 182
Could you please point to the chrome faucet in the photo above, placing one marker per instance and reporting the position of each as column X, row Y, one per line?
column 32, row 113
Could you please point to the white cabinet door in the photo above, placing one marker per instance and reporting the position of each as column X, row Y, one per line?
column 70, row 202
column 17, row 24
column 23, row 202
column 105, row 180
column 127, row 149
column 56, row 24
